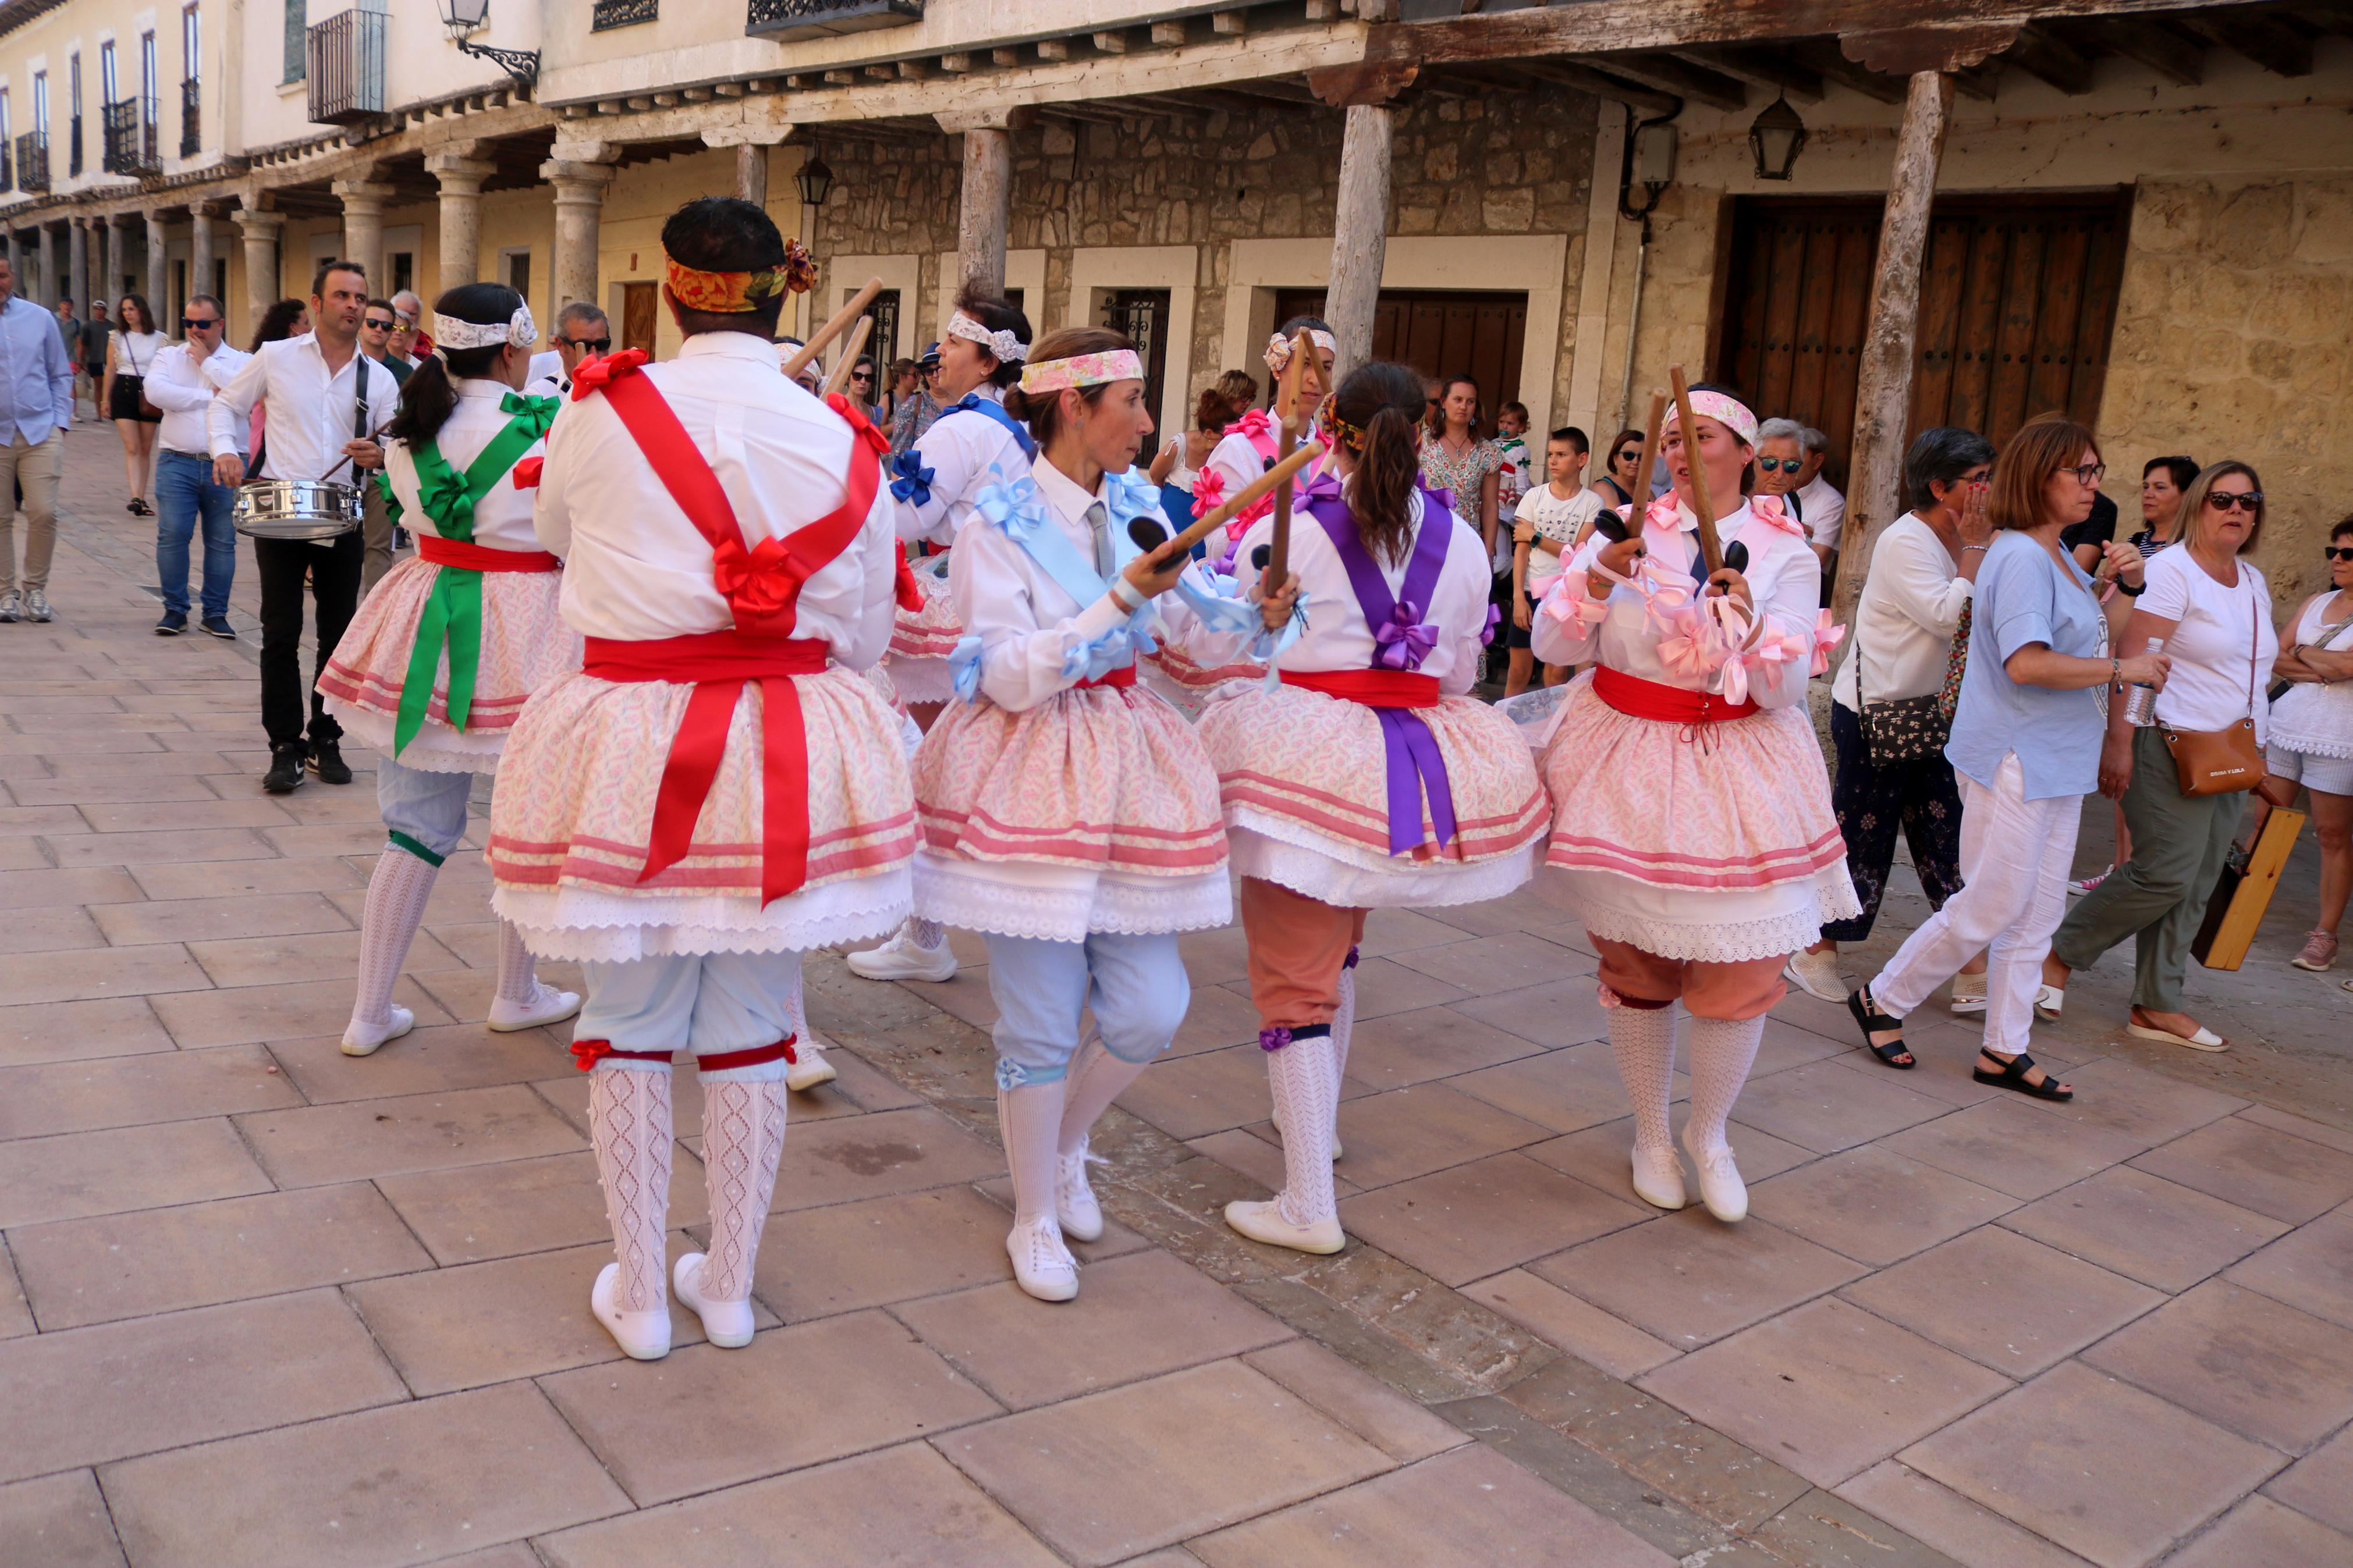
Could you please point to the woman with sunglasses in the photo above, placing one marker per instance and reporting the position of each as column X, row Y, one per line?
column 861, row 389
column 1618, row 480
column 2312, row 736
column 2211, row 610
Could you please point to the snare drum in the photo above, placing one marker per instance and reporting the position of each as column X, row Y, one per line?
column 300, row 509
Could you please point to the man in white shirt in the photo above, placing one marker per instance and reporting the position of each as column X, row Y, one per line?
column 181, row 382
column 1823, row 509
column 582, row 333
column 324, row 402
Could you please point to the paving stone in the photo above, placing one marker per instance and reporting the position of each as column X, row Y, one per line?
column 1191, row 1096
column 1825, row 1108
column 164, row 848
column 99, row 972
column 163, row 1260
column 2156, row 1231
column 1135, row 1318
column 1602, row 1156
column 1972, row 1536
column 418, row 1482
column 1566, row 1090
column 1497, row 964
column 2321, row 1483
column 1686, row 1279
column 857, row 1157
column 2260, row 1533
column 2094, row 1465
column 41, row 889
column 902, row 1506
column 2256, row 1167
column 2311, row 1132
column 2120, row 1097
column 1370, row 1408
column 1215, row 1018
column 468, row 1214
column 1474, row 1506
column 321, row 1143
column 57, row 929
column 1220, row 1443
column 58, row 1522
column 148, row 817
column 87, row 1395
column 1478, row 1219
column 75, row 1031
column 295, row 1010
column 268, row 960
column 122, row 1091
column 1873, row 1206
column 1410, row 1132
column 2244, row 1361
column 1563, row 1013
column 817, row 1262
column 1583, row 1330
column 2311, row 1268
column 244, row 879
column 1257, row 1153
column 83, row 1173
column 1998, row 1298
column 15, row 1312
column 1432, row 1042
column 2011, row 1147
column 1388, row 932
column 198, row 920
column 439, row 1057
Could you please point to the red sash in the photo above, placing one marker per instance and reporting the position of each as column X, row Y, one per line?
column 762, row 587
column 1124, row 676
column 481, row 557
column 1373, row 688
column 1639, row 699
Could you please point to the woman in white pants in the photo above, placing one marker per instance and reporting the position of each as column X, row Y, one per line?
column 2025, row 746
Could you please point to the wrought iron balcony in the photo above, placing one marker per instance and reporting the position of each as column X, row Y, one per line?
column 611, row 13
column 33, row 163
column 130, row 131
column 786, row 20
column 192, row 119
column 346, row 67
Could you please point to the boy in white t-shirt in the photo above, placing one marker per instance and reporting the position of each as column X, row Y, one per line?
column 1546, row 523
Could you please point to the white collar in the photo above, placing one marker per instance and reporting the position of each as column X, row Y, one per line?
column 1062, row 492
column 481, row 386
column 732, row 345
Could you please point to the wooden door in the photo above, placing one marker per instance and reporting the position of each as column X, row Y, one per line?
column 638, row 301
column 2018, row 300
column 1143, row 315
column 1481, row 335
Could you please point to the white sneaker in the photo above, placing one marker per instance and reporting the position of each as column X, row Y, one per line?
column 1658, row 1177
column 727, row 1324
column 642, row 1336
column 11, row 607
column 811, row 1071
column 1042, row 1264
column 548, row 1005
column 1816, row 975
column 1968, row 995
column 1720, row 1186
column 1264, row 1221
column 1074, row 1196
column 901, row 958
column 36, row 604
column 361, row 1039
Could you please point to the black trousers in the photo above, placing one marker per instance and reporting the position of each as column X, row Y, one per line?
column 1918, row 796
column 332, row 570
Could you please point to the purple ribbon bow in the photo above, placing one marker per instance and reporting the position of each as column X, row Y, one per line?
column 1403, row 641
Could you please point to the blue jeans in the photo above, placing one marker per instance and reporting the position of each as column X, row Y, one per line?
column 184, row 491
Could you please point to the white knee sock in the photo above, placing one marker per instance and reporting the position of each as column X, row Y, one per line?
column 925, row 934
column 1343, row 1021
column 630, row 1122
column 396, row 906
column 1304, row 1078
column 1097, row 1079
column 518, row 975
column 1643, row 1041
column 1721, row 1053
column 1029, row 1119
column 742, row 1139
column 796, row 1003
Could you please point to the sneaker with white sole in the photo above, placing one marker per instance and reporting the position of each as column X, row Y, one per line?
column 549, row 1006
column 901, row 958
column 36, row 605
column 2078, row 889
column 1074, row 1195
column 12, row 605
column 2319, row 954
column 727, row 1324
column 1263, row 1220
column 1816, row 975
column 642, row 1336
column 1658, row 1177
column 1043, row 1264
column 361, row 1039
column 1968, row 995
column 1720, row 1186
column 810, row 1070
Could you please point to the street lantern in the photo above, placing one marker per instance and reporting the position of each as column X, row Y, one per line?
column 464, row 17
column 816, row 180
column 1776, row 137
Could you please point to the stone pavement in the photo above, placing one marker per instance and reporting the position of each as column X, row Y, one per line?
column 263, row 1304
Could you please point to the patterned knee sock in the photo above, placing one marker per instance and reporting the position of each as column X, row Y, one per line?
column 395, row 905
column 518, row 975
column 742, row 1139
column 925, row 934
column 1304, row 1079
column 630, row 1122
column 1643, row 1041
column 1097, row 1079
column 1721, row 1053
column 1343, row 1021
column 1029, row 1119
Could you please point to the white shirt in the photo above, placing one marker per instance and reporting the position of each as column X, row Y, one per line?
column 2215, row 683
column 2313, row 717
column 135, row 352
column 635, row 569
column 1823, row 511
column 1237, row 459
column 308, row 410
column 503, row 516
column 1911, row 606
column 183, row 386
column 966, row 453
column 1557, row 520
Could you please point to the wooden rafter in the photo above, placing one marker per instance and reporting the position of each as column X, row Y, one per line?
column 2270, row 40
column 1668, row 74
column 2043, row 53
column 2156, row 44
column 1600, row 84
column 1774, row 70
column 1823, row 57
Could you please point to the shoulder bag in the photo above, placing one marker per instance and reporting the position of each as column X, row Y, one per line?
column 2222, row 762
column 1903, row 729
column 147, row 409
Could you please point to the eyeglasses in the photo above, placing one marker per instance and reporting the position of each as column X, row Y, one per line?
column 1780, row 465
column 2248, row 501
column 2332, row 553
column 593, row 345
column 376, row 324
column 861, row 375
column 191, row 324
column 2089, row 475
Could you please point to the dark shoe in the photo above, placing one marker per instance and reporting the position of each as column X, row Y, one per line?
column 217, row 626
column 172, row 623
column 327, row 762
column 285, row 774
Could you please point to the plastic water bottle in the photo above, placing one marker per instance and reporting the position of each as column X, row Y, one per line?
column 2140, row 708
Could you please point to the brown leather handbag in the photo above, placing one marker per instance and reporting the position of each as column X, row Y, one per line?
column 2221, row 761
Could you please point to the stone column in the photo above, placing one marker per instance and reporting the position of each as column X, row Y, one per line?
column 1360, row 230
column 200, row 251
column 363, row 225
column 77, row 267
column 114, row 264
column 983, row 209
column 159, row 274
column 579, row 210
column 752, row 173
column 461, row 176
column 261, row 231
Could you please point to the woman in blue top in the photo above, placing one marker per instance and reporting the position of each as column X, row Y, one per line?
column 2026, row 748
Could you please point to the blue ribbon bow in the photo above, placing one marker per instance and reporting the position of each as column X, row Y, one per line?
column 914, row 484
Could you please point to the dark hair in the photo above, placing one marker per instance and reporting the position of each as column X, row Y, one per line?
column 1385, row 401
column 146, row 316
column 319, row 278
column 428, row 398
column 1575, row 437
column 722, row 233
column 999, row 316
column 2193, row 502
column 1618, row 442
column 219, row 309
column 1297, row 324
column 1043, row 410
column 278, row 323
column 387, row 304
column 1515, row 406
column 1234, row 391
column 2183, row 470
column 1212, row 411
column 1940, row 456
column 2043, row 444
column 1446, row 385
column 2340, row 528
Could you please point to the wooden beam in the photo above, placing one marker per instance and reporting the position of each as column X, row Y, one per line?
column 1776, row 72
column 2272, row 42
column 1167, row 34
column 1599, row 84
column 1112, row 43
column 2157, row 46
column 1005, row 56
column 955, row 64
column 1230, row 24
column 2044, row 54
column 1836, row 68
column 1681, row 77
column 1055, row 49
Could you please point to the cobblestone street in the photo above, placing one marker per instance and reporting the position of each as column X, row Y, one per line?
column 264, row 1304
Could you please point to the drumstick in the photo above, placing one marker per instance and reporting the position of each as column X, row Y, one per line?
column 1258, row 487
column 828, row 333
column 1710, row 550
column 849, row 360
column 1301, row 363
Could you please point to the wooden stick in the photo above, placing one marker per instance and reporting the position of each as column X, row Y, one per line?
column 1302, row 364
column 1258, row 487
column 849, row 360
column 1710, row 551
column 832, row 329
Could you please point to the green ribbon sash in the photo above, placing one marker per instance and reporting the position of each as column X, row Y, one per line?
column 453, row 607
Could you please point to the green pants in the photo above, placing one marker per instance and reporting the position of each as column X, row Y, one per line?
column 2179, row 846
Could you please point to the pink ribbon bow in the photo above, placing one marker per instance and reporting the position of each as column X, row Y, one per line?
column 1253, row 424
column 1208, row 492
column 1769, row 510
column 1826, row 637
column 1664, row 513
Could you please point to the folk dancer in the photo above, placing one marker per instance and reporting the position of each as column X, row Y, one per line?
column 433, row 672
column 1691, row 811
column 717, row 790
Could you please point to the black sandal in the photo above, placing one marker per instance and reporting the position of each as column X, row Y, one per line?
column 1873, row 1020
column 2013, row 1076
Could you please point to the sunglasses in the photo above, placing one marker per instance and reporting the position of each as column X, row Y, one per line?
column 2334, row 553
column 2248, row 501
column 1780, row 465
column 375, row 324
column 190, row 324
column 861, row 375
column 593, row 345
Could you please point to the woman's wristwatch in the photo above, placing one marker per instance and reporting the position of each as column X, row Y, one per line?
column 2130, row 591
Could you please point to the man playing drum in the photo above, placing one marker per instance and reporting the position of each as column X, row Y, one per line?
column 324, row 402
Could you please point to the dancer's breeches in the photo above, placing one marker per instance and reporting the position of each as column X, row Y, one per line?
column 1298, row 949
column 424, row 819
column 1136, row 987
column 1749, row 989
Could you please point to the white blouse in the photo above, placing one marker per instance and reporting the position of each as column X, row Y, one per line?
column 1911, row 606
column 2309, row 716
column 502, row 518
column 966, row 453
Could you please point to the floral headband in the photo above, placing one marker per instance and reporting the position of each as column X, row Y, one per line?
column 1082, row 370
column 1007, row 348
column 518, row 330
column 1278, row 348
column 1729, row 412
column 736, row 293
column 1352, row 436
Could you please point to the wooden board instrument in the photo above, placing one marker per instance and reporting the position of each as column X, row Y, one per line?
column 2244, row 892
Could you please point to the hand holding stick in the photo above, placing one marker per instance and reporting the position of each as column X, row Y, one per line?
column 1216, row 520
column 849, row 360
column 834, row 327
column 1302, row 363
column 1711, row 550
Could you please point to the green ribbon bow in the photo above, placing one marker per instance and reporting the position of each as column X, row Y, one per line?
column 453, row 608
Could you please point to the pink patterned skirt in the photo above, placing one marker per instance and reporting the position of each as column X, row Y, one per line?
column 931, row 631
column 525, row 645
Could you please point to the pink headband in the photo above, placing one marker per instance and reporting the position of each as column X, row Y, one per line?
column 1082, row 370
column 1729, row 412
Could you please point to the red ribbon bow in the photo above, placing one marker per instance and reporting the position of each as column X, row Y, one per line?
column 859, row 425
column 594, row 374
column 526, row 473
column 910, row 593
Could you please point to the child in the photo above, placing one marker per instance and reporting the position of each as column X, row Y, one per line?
column 1550, row 519
column 1518, row 470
